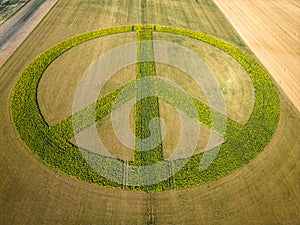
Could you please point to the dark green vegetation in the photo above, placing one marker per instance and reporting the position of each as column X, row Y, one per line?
column 9, row 7
column 243, row 142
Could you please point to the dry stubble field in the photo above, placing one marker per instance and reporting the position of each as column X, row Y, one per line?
column 272, row 31
column 266, row 191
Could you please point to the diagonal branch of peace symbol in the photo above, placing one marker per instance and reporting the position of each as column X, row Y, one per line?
column 169, row 93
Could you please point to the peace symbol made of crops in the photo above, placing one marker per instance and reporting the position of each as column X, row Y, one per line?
column 149, row 171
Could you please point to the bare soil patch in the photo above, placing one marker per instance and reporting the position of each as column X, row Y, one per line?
column 271, row 30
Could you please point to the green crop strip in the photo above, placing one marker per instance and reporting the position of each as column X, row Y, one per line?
column 146, row 108
column 50, row 144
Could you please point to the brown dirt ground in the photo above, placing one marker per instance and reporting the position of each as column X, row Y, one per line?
column 271, row 30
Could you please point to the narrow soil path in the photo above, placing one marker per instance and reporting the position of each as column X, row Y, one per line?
column 15, row 30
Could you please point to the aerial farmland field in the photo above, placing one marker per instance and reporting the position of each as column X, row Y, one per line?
column 152, row 112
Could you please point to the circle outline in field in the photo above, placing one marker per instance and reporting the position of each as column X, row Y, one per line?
column 51, row 145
